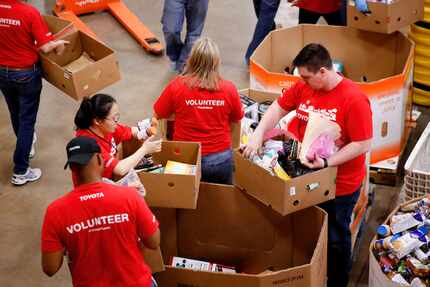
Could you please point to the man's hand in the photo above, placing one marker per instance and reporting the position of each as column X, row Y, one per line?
column 253, row 147
column 57, row 45
column 317, row 163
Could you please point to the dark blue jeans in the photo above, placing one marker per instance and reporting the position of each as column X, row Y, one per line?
column 21, row 90
column 266, row 12
column 174, row 13
column 339, row 255
column 218, row 167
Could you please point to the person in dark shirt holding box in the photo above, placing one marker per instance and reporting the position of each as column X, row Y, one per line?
column 324, row 91
column 23, row 33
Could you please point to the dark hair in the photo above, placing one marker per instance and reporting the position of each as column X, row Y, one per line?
column 313, row 57
column 96, row 107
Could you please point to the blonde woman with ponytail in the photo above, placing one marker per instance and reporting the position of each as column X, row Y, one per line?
column 204, row 105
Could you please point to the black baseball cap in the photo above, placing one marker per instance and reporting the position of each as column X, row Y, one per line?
column 80, row 150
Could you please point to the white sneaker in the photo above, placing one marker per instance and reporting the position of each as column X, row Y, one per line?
column 33, row 147
column 32, row 174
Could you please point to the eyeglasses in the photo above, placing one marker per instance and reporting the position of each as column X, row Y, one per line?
column 114, row 119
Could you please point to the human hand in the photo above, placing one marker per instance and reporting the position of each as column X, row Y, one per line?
column 317, row 163
column 253, row 147
column 150, row 146
column 60, row 46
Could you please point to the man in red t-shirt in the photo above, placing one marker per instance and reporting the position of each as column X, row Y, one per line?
column 324, row 91
column 23, row 33
column 100, row 227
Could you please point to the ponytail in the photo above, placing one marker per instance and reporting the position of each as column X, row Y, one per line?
column 96, row 107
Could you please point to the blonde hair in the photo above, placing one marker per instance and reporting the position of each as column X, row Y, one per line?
column 202, row 68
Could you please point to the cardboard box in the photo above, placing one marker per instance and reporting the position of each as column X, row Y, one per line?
column 167, row 126
column 386, row 18
column 284, row 196
column 377, row 278
column 228, row 227
column 154, row 259
column 384, row 61
column 171, row 190
column 59, row 27
column 86, row 77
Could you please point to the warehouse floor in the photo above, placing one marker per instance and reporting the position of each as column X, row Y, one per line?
column 143, row 78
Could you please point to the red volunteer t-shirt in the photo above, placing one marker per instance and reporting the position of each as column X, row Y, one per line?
column 200, row 115
column 320, row 6
column 349, row 108
column 22, row 32
column 99, row 226
column 109, row 146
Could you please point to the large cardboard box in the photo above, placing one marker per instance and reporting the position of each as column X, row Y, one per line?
column 381, row 64
column 85, row 67
column 284, row 196
column 377, row 278
column 171, row 190
column 59, row 27
column 386, row 18
column 228, row 227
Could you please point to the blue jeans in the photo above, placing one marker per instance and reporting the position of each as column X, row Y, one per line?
column 21, row 90
column 174, row 13
column 218, row 167
column 339, row 261
column 266, row 12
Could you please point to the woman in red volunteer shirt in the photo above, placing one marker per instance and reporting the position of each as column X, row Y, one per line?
column 98, row 118
column 204, row 105
column 23, row 33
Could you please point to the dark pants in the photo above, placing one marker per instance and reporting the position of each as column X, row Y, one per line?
column 309, row 17
column 174, row 13
column 218, row 167
column 339, row 261
column 266, row 12
column 21, row 90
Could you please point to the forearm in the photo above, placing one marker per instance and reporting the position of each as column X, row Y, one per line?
column 127, row 164
column 273, row 115
column 349, row 152
column 134, row 131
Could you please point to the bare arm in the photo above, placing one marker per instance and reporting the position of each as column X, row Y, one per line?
column 152, row 242
column 273, row 115
column 347, row 153
column 127, row 164
column 51, row 262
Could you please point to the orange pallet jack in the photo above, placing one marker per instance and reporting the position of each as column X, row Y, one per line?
column 70, row 9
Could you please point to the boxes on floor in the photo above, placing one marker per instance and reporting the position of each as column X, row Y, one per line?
column 85, row 67
column 230, row 228
column 382, row 66
column 170, row 190
column 59, row 27
column 386, row 16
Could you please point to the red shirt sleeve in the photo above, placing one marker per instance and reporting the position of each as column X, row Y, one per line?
column 164, row 107
column 51, row 241
column 122, row 133
column 146, row 222
column 288, row 101
column 39, row 30
column 237, row 108
column 110, row 163
column 358, row 123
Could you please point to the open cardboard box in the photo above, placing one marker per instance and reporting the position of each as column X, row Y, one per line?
column 228, row 227
column 386, row 18
column 380, row 64
column 59, row 27
column 170, row 190
column 88, row 76
column 377, row 278
column 284, row 196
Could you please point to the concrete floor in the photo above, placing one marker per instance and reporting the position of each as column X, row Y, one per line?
column 144, row 76
column 229, row 23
